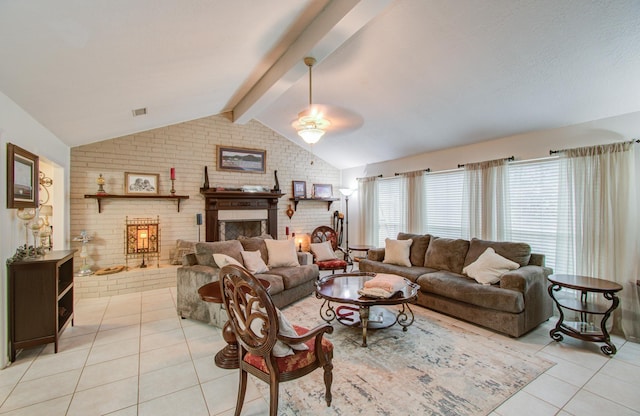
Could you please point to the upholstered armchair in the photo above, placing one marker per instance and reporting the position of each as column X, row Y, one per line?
column 324, row 245
column 269, row 347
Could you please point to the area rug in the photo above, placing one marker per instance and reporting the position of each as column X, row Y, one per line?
column 434, row 368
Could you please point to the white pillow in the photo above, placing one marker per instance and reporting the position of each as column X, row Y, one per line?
column 253, row 262
column 224, row 260
column 397, row 252
column 323, row 251
column 282, row 253
column 280, row 349
column 488, row 268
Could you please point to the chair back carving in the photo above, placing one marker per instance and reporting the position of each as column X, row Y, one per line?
column 250, row 310
column 324, row 233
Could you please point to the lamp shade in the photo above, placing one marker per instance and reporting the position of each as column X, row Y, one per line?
column 46, row 210
column 346, row 191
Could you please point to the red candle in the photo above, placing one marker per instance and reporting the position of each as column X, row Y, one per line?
column 173, row 174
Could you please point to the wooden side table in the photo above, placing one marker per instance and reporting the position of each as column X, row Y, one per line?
column 360, row 247
column 584, row 330
column 228, row 356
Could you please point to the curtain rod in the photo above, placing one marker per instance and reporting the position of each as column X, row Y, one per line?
column 367, row 177
column 553, row 152
column 508, row 159
column 424, row 170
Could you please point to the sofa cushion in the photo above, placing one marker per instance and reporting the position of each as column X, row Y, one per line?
column 282, row 253
column 446, row 254
column 277, row 285
column 412, row 273
column 183, row 247
column 256, row 243
column 294, row 276
column 397, row 252
column 488, row 268
column 418, row 247
column 518, row 252
column 253, row 262
column 455, row 286
column 224, row 260
column 205, row 250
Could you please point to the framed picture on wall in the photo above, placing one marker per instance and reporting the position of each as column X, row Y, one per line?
column 299, row 189
column 141, row 183
column 22, row 178
column 238, row 159
column 322, row 190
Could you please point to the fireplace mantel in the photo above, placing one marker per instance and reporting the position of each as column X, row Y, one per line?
column 238, row 200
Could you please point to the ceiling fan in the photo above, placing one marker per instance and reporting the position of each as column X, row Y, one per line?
column 311, row 125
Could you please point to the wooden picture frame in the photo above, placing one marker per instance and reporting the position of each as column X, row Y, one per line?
column 239, row 159
column 22, row 178
column 322, row 191
column 299, row 189
column 141, row 183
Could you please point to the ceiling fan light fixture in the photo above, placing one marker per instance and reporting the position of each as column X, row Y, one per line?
column 310, row 124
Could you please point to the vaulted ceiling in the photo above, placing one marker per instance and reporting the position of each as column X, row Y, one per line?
column 395, row 77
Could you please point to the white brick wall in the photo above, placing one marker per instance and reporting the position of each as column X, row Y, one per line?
column 188, row 147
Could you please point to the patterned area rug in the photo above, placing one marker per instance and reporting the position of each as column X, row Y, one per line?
column 432, row 369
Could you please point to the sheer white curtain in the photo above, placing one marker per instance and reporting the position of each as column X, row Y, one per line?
column 368, row 204
column 413, row 190
column 597, row 223
column 486, row 200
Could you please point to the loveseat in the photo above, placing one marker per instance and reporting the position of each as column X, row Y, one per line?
column 287, row 284
column 514, row 305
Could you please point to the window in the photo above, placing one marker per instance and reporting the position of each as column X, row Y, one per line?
column 391, row 215
column 533, row 193
column 443, row 213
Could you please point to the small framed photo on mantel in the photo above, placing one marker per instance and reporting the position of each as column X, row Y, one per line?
column 322, row 191
column 141, row 183
column 299, row 189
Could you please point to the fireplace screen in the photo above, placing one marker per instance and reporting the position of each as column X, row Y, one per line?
column 142, row 240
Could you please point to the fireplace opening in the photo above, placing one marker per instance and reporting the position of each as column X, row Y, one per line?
column 231, row 230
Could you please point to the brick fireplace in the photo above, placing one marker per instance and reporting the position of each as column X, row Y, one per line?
column 229, row 214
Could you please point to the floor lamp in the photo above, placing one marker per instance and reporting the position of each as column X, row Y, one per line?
column 347, row 192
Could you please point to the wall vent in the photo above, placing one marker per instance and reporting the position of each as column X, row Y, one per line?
column 139, row 112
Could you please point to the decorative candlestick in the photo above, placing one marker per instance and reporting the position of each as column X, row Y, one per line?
column 173, row 179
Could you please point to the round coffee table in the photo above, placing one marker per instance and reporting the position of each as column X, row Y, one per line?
column 343, row 288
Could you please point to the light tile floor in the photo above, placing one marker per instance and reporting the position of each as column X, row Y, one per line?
column 131, row 355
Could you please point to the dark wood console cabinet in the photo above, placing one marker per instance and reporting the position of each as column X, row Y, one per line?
column 40, row 299
column 236, row 200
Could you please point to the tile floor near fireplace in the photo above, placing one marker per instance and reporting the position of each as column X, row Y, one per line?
column 131, row 355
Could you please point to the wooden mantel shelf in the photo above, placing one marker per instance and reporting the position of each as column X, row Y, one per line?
column 99, row 198
column 329, row 201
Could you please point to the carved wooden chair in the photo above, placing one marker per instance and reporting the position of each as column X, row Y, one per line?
column 322, row 234
column 256, row 324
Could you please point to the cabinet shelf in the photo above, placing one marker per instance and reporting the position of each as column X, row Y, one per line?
column 99, row 198
column 329, row 201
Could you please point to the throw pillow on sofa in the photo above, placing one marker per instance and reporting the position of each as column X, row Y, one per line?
column 397, row 252
column 418, row 247
column 253, row 262
column 323, row 251
column 224, row 260
column 446, row 254
column 256, row 243
column 282, row 253
column 488, row 268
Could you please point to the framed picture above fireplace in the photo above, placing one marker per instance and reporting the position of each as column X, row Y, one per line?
column 239, row 159
column 141, row 183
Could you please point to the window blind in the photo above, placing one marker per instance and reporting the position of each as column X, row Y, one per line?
column 443, row 213
column 390, row 215
column 533, row 193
